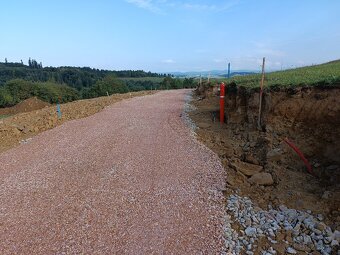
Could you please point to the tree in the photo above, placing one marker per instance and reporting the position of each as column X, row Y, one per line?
column 166, row 83
column 188, row 83
column 176, row 84
column 109, row 85
column 5, row 98
column 19, row 89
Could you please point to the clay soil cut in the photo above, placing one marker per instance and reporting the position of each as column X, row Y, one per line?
column 130, row 179
column 310, row 117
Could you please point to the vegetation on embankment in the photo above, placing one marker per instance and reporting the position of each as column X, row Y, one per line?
column 327, row 74
column 15, row 91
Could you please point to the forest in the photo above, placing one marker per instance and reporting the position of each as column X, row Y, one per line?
column 63, row 84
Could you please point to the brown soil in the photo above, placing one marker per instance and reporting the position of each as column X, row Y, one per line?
column 310, row 118
column 27, row 105
column 21, row 126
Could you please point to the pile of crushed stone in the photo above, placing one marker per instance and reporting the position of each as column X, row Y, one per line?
column 276, row 231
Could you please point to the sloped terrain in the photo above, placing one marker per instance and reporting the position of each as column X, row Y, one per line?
column 261, row 166
column 27, row 105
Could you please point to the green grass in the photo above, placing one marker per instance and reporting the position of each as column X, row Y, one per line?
column 4, row 116
column 327, row 74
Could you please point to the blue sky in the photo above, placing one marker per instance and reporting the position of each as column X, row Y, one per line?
column 171, row 35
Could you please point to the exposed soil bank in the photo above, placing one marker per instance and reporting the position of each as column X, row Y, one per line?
column 259, row 163
column 310, row 116
column 21, row 126
column 28, row 105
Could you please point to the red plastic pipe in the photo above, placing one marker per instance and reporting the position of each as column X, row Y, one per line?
column 222, row 95
column 296, row 149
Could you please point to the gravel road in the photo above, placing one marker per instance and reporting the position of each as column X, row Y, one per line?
column 131, row 179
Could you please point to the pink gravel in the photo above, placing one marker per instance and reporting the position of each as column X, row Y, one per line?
column 130, row 179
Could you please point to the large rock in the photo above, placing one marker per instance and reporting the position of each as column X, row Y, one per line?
column 274, row 155
column 249, row 158
column 246, row 168
column 19, row 127
column 262, row 179
column 203, row 125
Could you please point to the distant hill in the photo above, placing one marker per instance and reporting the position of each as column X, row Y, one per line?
column 212, row 73
column 75, row 77
column 327, row 74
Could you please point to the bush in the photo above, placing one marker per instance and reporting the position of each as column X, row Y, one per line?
column 18, row 90
column 109, row 85
column 5, row 98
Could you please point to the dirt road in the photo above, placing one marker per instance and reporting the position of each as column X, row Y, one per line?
column 130, row 179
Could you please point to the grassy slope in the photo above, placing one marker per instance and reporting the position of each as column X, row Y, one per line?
column 327, row 74
column 4, row 116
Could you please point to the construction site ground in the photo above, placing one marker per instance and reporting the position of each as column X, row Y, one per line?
column 33, row 116
column 237, row 140
column 133, row 178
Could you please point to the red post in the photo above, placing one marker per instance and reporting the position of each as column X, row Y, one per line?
column 222, row 94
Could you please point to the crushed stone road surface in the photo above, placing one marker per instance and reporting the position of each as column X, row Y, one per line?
column 130, row 179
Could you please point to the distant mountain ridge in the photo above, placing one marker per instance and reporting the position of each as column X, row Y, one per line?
column 213, row 73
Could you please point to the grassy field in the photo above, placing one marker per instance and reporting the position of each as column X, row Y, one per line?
column 4, row 116
column 327, row 74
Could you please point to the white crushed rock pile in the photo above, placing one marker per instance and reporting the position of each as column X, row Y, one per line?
column 294, row 230
column 188, row 107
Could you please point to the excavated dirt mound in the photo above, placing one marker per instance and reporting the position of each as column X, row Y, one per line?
column 21, row 127
column 27, row 105
column 259, row 163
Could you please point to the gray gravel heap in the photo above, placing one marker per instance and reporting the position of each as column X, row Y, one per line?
column 188, row 107
column 308, row 232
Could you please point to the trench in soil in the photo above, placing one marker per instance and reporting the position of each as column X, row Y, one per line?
column 309, row 117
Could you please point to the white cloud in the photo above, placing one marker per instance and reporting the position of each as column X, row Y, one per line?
column 159, row 6
column 267, row 50
column 271, row 52
column 225, row 5
column 147, row 5
column 168, row 61
column 199, row 7
column 216, row 60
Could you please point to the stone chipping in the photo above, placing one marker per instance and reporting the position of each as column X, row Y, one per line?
column 130, row 179
column 295, row 230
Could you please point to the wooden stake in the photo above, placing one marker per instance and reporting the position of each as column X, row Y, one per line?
column 261, row 92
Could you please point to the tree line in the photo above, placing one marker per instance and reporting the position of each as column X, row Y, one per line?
column 64, row 84
column 75, row 77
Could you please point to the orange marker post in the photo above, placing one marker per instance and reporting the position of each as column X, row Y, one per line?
column 222, row 95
